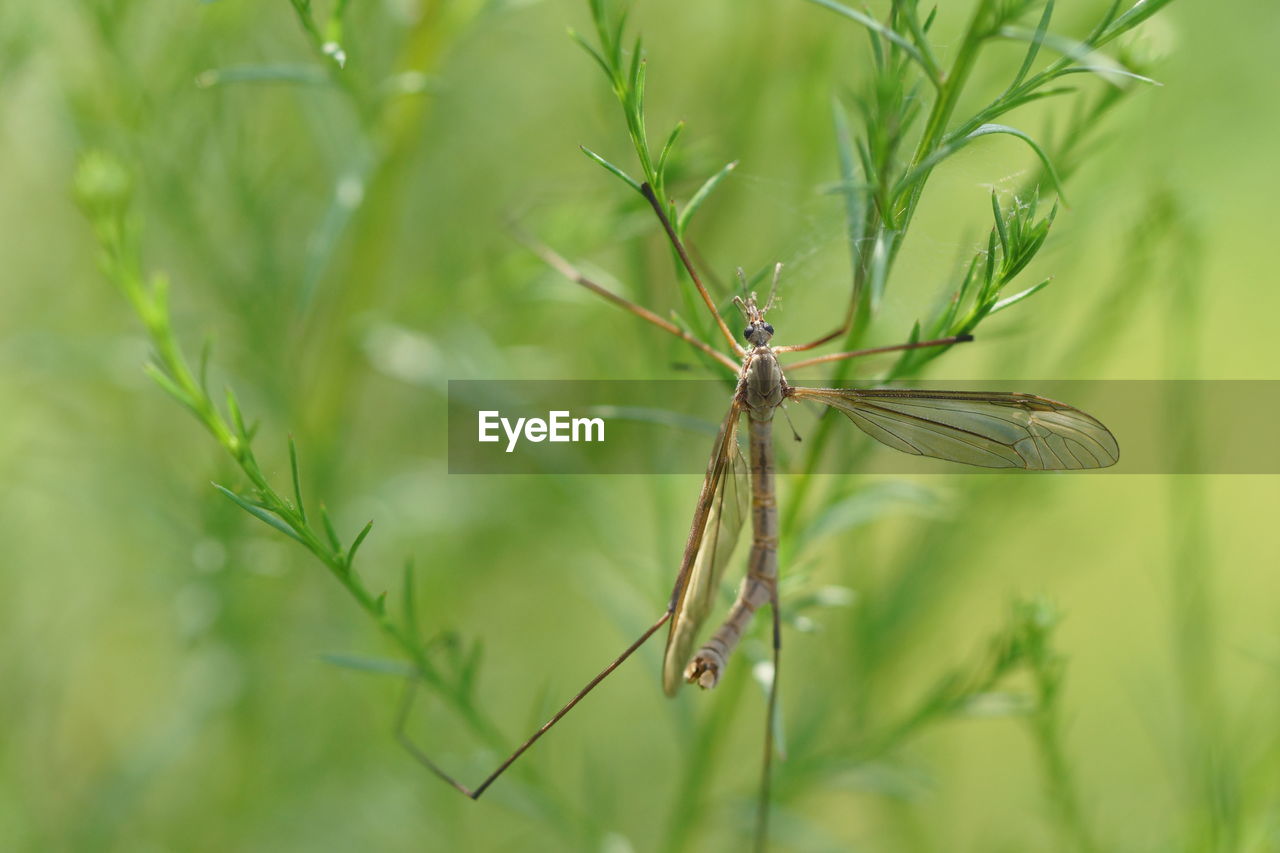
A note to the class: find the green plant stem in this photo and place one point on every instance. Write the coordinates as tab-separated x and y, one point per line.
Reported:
117	235
944	105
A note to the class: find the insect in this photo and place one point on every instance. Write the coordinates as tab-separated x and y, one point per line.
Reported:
993	430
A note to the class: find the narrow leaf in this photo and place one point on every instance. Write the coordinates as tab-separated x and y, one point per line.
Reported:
666	149
237	419
988	129
595	54
1086	55
334	542
170	387
1137	13
1034	48
260	513
637	77
612	168
880	266
1000	226
879	28
1104	70
297	482
682	221
1018	297
355	546
989	270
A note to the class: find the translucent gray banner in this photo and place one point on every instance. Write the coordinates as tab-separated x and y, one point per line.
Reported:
668	427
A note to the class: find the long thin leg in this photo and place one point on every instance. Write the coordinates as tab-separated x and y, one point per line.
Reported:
569	271
830	336
817	342
837	356
648	193
770	723
474	793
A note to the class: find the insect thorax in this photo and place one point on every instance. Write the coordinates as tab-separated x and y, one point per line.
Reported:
763	386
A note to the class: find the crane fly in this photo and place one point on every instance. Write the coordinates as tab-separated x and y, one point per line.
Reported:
990	430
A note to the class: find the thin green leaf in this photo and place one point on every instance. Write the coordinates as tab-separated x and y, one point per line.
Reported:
1105	21
906	10
666	150
872	24
920	172
170	387
988	129
597	18
237	419
682	221
595	54
260	514
1137	13
1104	70
334	542
877	49
637	77
359	540
615	44
966	284
989	268
880	266
297	481
632	182
1034	48
1004	106
1018	297
1000	225
1087	55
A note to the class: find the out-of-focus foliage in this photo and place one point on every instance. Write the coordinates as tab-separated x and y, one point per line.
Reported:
338	231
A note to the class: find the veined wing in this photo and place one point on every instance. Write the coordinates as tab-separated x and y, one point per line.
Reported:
715	532
992	430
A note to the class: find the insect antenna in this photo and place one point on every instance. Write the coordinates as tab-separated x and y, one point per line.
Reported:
773	288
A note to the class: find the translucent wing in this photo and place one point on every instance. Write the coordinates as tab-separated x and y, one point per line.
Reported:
723	522
975	427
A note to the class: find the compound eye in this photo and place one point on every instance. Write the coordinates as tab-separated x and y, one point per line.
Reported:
768	329
748	332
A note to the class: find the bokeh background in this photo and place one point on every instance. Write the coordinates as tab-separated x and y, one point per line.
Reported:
164	679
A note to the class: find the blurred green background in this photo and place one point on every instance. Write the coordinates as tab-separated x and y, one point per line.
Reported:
346	249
